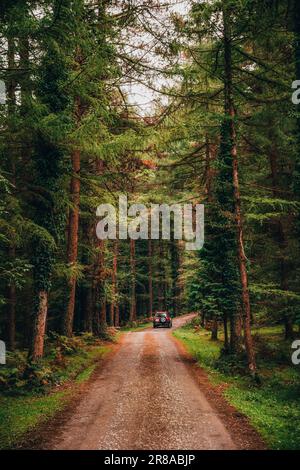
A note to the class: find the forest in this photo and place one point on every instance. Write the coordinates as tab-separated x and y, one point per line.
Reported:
165	102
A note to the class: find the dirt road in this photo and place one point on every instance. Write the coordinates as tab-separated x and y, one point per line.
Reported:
144	398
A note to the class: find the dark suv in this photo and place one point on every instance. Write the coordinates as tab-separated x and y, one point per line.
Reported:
162	319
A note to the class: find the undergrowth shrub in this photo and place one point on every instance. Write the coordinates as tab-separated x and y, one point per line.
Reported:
232	364
272	350
18	377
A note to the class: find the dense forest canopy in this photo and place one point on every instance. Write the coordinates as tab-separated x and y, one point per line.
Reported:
216	125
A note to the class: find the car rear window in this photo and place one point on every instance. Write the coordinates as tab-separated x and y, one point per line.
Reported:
160	314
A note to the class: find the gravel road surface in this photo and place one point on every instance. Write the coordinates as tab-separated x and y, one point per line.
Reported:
145	397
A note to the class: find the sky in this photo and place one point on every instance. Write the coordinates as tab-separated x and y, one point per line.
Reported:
139	94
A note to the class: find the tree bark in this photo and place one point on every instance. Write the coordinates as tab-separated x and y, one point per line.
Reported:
174	271
99	272
132	314
235	332
115	281
214	330
230	114
87	291
72	250
37	345
12	299
88	309
208	175
100	281
150	278
112	314
11	104
103	323
113	305
296	172
226	338
281	239
24	77
117	315
161	277
73	225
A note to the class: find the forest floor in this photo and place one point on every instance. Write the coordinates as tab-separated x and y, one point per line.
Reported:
273	406
148	394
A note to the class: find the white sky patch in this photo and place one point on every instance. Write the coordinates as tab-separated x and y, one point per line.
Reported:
145	46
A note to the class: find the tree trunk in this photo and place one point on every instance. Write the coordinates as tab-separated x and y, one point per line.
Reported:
37	346
226	338
112	314
100	281
296	173
117	315
103	315
230	113
288	329
115	277
87	291
88	309
235	332
281	239
208	175
99	272
73	228
99	290
12	299
214	330
24	77
174	272
132	314
160	287
11	104
150	281
114	283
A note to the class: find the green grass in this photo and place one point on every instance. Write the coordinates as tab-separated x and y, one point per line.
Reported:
275	330
273	407
80	362
20	414
85	374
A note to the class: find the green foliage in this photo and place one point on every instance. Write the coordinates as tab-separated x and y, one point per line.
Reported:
22	410
65	64
65	358
217	277
17	377
67	346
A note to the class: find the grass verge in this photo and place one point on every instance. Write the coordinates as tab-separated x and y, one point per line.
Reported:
21	414
273	408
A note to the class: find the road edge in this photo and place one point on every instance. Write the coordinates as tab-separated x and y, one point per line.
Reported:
42	435
242	432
